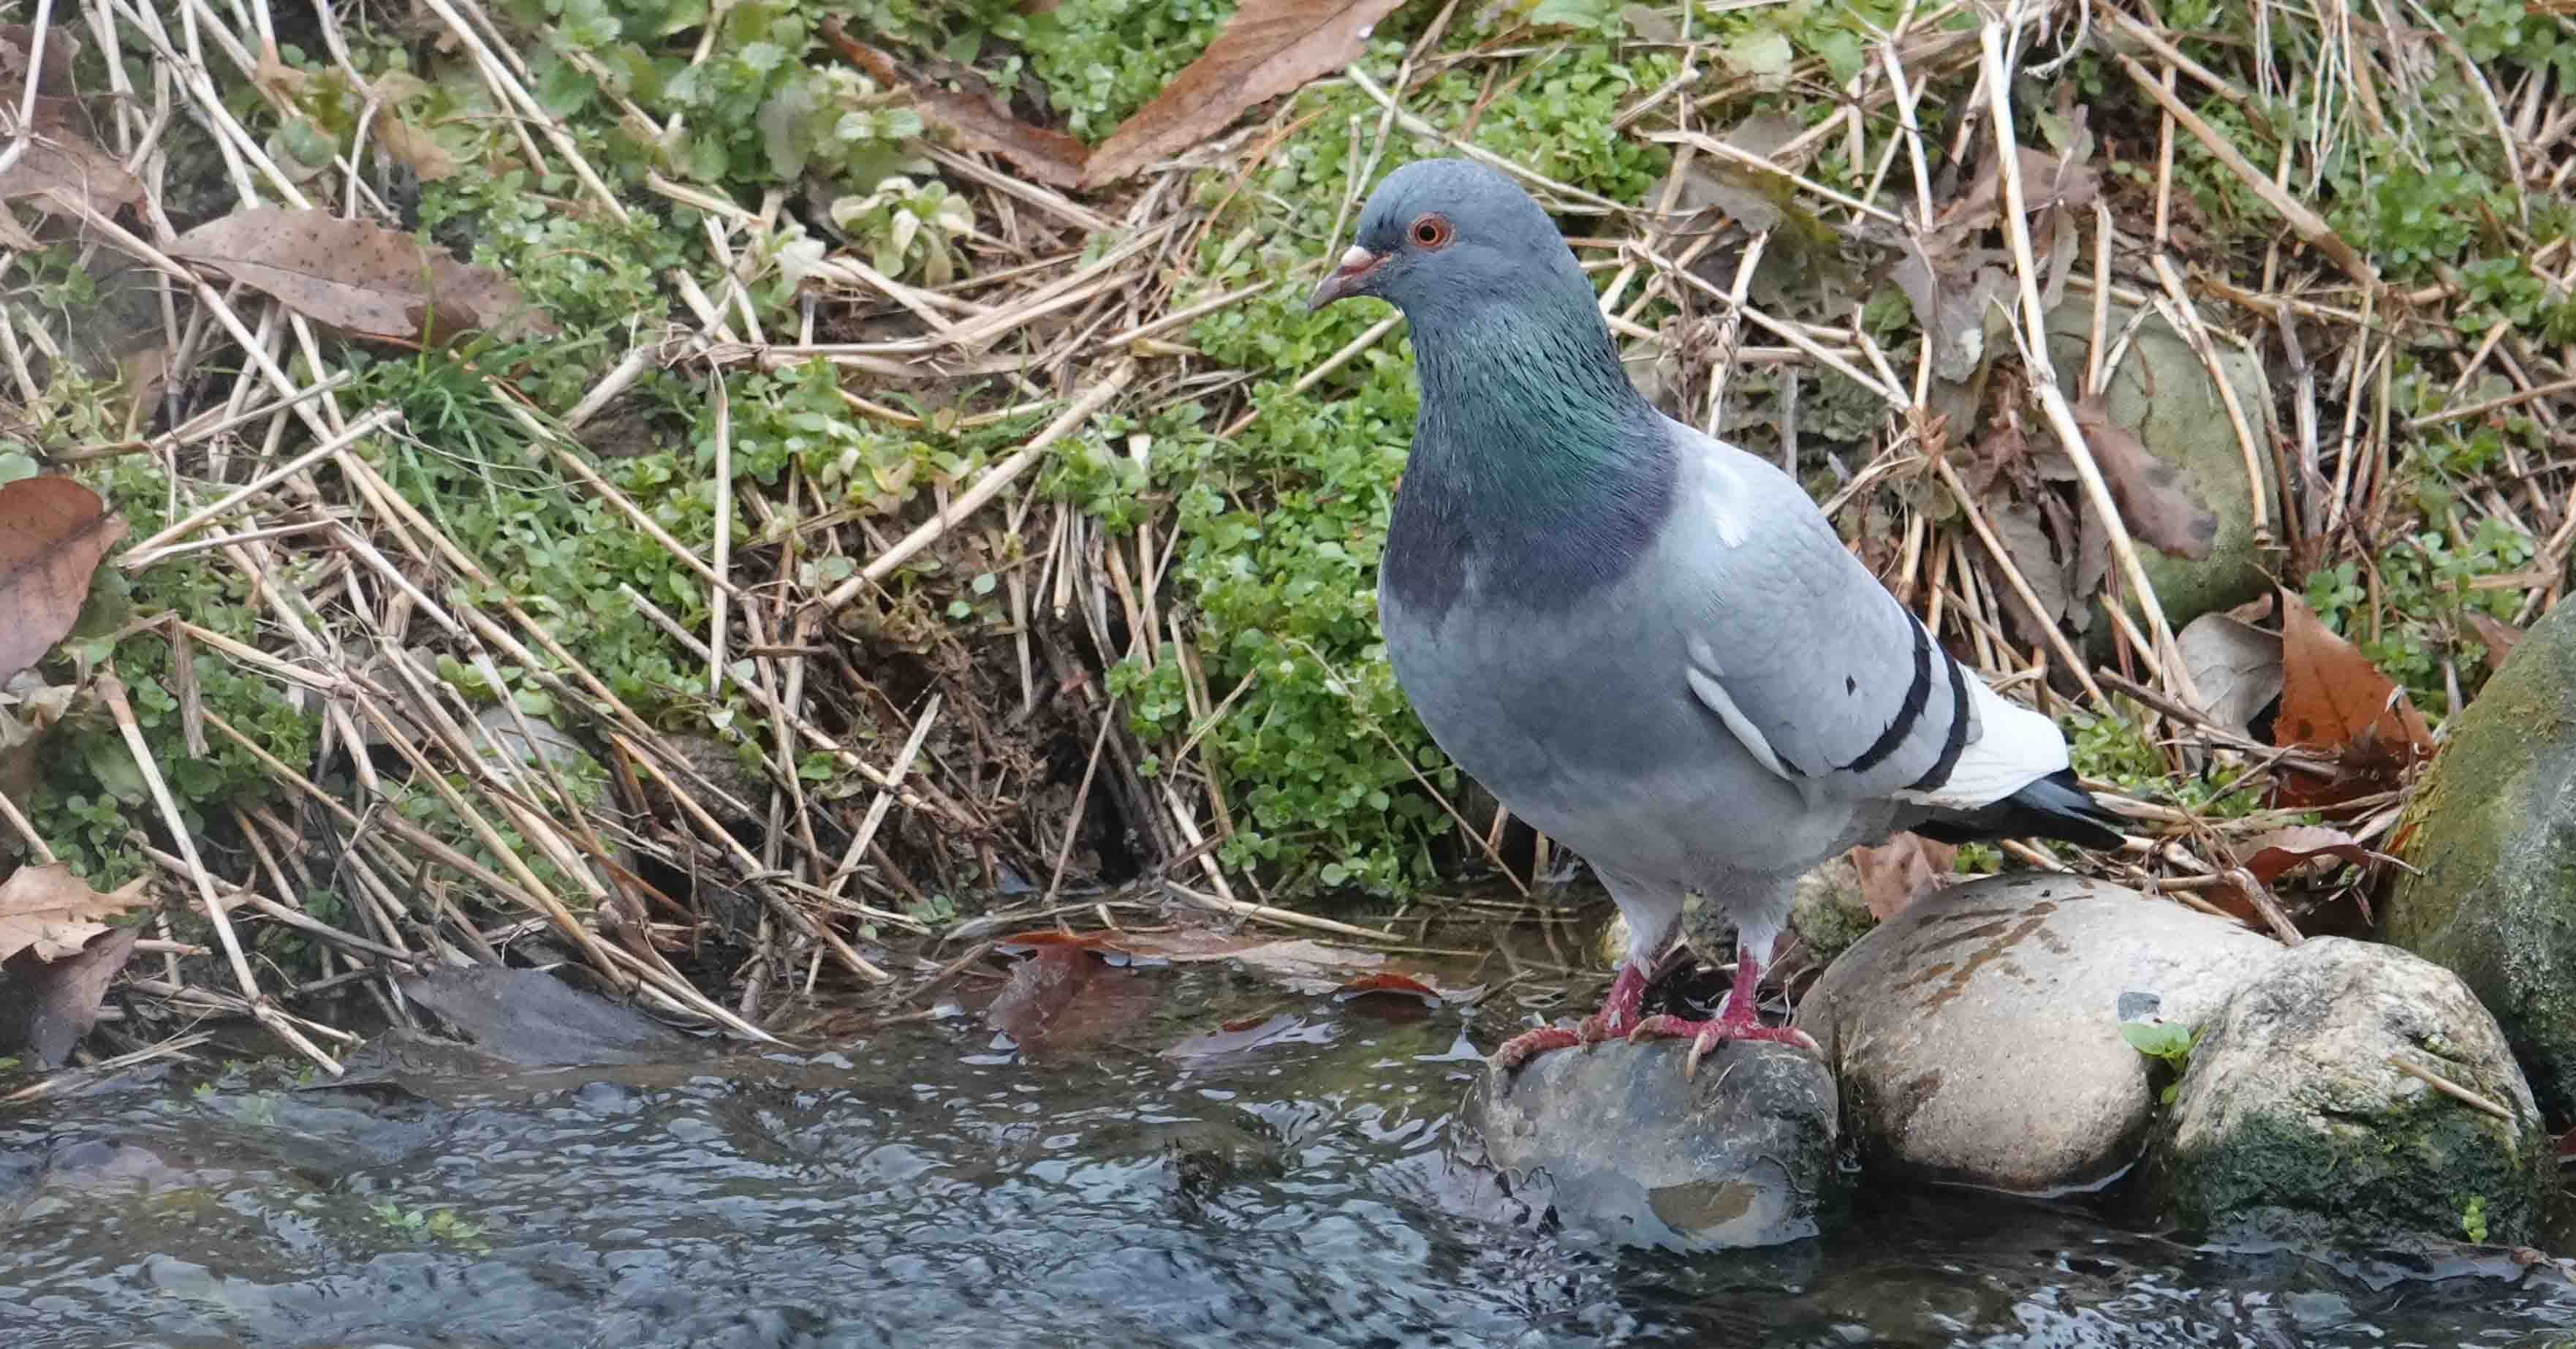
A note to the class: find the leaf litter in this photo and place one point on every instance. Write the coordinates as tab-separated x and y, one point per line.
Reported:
1267	48
360	278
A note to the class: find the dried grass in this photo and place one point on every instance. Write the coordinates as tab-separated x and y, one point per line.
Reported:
1074	337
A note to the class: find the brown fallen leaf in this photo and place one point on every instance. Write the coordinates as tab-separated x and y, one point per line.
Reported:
61	159
53	531
2160	502
47	1006
2045	183
2272	855
359	277
979	122
57	95
53	913
1900	871
2335	703
1268	48
1062	998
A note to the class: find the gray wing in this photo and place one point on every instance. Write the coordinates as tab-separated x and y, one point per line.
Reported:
1809	661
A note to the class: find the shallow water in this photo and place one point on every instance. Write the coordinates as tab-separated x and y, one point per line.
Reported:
927	1186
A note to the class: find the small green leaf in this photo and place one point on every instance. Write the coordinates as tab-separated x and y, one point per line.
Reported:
2157	1039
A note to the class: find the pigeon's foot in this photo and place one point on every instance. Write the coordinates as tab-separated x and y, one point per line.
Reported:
1706	1035
1617	1017
1737	1020
1522	1047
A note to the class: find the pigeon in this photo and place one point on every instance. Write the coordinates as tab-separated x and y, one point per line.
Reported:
1647	643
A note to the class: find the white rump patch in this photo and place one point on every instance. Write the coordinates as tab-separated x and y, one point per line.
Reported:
2014	747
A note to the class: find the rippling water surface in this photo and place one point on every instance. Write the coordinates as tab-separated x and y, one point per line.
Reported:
927	1186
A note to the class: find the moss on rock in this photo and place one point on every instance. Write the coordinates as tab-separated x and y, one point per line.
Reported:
2292	1122
2492	836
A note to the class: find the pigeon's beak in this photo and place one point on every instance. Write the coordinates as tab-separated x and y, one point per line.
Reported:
1351	278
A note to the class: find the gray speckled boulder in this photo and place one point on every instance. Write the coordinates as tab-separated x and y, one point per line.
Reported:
2492	834
1977	1034
1614	1137
2291	1123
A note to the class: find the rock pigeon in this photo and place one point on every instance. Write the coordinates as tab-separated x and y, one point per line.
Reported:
1646	642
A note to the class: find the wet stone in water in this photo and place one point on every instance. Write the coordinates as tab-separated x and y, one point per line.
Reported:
1616	1139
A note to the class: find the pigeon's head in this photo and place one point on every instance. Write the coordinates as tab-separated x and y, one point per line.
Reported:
1441	236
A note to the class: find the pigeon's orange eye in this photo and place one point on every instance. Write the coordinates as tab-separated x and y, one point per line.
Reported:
1431	231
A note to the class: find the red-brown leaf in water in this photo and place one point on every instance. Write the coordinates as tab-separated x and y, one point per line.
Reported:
1051	157
1061	998
53	531
1387	988
1300	963
2335	703
1268	48
359	277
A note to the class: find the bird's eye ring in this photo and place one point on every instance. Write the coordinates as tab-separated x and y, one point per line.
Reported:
1431	231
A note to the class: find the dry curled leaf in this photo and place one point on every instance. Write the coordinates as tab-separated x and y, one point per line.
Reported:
2268	857
53	913
53	531
57	97
1268	48
2336	704
976	120
59	159
359	277
2235	665
1900	871
2158	500
416	149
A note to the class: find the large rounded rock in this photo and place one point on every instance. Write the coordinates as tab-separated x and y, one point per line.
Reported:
2492	837
2162	390
1977	1034
2294	1122
1615	1138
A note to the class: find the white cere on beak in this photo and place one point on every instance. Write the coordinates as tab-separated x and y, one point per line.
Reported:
1356	257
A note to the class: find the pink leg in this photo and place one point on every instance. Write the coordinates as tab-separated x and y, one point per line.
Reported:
1738	1020
1617	1017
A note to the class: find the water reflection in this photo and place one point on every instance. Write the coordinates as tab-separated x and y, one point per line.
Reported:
926	1187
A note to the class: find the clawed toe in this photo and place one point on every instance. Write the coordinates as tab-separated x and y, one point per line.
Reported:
1527	1045
1707	1035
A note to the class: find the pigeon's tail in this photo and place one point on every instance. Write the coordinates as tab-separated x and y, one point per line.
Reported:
2055	806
